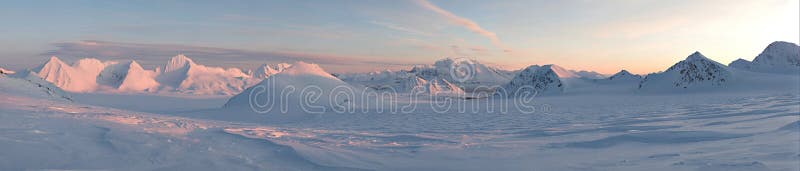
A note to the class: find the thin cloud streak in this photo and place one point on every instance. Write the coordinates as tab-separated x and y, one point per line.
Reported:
466	23
399	28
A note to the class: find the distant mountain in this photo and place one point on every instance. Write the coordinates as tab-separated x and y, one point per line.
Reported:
777	57
290	85
589	74
466	73
741	64
463	73
180	75
80	77
128	76
538	80
695	71
440	87
268	70
624	75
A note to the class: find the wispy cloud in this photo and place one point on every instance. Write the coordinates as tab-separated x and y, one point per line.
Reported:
399	28
464	22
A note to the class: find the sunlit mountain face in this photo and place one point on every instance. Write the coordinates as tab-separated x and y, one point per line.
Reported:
400	85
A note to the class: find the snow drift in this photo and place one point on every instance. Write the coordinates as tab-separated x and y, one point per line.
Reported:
465	73
31	85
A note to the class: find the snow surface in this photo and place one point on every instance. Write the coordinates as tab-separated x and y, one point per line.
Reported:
756	129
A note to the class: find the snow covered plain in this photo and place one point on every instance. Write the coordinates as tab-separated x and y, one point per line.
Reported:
718	130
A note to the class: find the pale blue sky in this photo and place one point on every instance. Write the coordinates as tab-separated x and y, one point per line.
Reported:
642	36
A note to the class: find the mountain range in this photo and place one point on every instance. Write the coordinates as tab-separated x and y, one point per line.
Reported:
182	75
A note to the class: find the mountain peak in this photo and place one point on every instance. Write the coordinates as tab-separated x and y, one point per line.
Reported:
624	75
135	65
178	62
52	62
623	72
696	56
53	59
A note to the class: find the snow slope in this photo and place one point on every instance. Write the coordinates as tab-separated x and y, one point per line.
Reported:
294	86
128	77
696	71
28	84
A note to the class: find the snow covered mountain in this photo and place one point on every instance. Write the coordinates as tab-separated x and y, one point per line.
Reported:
128	76
182	74
537	80
589	74
403	82
80	77
268	70
695	71
777	57
624	75
442	86
465	73
293	86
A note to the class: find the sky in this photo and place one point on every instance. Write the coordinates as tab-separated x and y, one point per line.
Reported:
606	36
